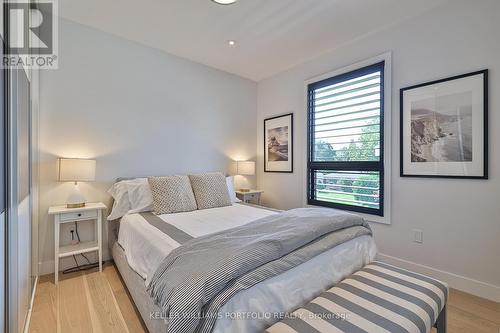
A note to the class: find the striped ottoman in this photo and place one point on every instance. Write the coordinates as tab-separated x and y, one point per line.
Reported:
378	298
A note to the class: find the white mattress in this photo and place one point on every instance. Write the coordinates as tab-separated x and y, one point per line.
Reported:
145	248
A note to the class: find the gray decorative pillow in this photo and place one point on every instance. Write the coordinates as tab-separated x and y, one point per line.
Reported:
210	190
172	194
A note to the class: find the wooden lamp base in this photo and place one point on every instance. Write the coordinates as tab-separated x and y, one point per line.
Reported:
75	205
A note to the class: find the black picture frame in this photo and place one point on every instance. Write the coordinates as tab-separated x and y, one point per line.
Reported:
290	149
484	175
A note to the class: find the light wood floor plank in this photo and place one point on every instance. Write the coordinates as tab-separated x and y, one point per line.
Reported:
483	308
43	316
460	321
129	311
94	302
104	309
72	306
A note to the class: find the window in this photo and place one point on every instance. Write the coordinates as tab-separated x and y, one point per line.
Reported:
346	141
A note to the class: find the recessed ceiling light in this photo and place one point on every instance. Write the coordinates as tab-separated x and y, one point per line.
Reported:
231	42
224	2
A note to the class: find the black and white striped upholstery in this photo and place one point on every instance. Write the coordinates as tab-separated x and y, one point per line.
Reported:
378	298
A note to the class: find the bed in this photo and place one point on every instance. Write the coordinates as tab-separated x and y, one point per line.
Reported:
139	243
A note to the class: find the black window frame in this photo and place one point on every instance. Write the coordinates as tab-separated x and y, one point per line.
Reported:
377	166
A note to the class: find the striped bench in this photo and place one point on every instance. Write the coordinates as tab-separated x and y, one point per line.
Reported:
378	298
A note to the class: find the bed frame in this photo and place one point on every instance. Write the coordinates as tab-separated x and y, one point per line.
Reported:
151	314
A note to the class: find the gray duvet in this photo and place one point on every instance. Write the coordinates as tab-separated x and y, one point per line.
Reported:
198	277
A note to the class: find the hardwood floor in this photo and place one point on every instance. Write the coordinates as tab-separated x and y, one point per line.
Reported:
85	302
99	302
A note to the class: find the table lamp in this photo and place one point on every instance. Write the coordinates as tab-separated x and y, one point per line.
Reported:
245	168
76	170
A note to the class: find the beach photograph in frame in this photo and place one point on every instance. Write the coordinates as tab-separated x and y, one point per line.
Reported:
444	128
278	144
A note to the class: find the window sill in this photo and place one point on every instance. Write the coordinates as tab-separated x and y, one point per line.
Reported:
368	217
375	219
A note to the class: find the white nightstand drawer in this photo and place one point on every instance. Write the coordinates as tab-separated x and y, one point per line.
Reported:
90	214
252	196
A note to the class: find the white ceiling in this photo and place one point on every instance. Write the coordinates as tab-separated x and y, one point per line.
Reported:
271	35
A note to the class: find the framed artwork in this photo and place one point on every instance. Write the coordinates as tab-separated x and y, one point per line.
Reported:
444	128
278	144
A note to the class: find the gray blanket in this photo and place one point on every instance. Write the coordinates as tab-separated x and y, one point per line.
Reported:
192	275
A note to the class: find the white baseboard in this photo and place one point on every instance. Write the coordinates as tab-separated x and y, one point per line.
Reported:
46	267
468	285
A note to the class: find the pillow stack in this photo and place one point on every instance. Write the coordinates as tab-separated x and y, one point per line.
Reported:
172	194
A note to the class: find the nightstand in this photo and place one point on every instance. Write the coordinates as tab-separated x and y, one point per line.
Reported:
91	211
252	195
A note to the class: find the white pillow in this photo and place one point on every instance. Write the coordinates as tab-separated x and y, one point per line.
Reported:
139	195
230	189
134	196
121	205
130	196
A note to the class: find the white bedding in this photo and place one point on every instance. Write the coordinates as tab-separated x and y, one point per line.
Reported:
145	248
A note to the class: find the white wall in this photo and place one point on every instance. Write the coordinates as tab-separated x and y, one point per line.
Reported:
138	111
460	218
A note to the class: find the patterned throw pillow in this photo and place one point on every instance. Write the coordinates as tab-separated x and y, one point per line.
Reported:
210	190
172	194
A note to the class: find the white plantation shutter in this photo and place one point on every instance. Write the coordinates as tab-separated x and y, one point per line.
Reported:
345	167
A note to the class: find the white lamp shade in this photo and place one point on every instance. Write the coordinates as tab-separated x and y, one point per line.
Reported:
245	168
76	170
